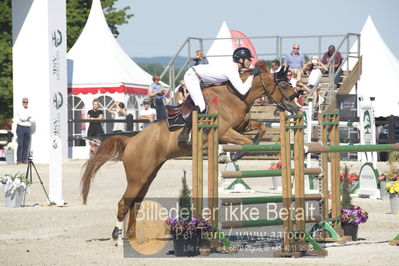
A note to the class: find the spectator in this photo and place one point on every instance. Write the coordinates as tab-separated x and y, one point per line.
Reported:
156	90
182	92
275	66
290	78
296	61
147	113
314	68
95	128
118	113
336	61
24	132
200	58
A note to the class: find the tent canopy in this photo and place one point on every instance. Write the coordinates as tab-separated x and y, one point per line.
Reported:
222	50
97	64
380	72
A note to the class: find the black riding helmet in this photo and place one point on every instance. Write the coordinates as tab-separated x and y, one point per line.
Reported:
241	52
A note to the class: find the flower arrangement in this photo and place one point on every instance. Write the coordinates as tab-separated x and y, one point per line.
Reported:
275	166
393	188
352	177
12	183
182	228
185	226
354	215
350	214
389	177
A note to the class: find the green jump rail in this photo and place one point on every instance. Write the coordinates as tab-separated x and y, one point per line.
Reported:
265	173
314	148
266	199
263	222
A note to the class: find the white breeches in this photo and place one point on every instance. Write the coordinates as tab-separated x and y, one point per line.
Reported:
193	86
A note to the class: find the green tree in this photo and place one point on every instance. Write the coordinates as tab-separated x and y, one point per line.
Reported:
5	60
77	13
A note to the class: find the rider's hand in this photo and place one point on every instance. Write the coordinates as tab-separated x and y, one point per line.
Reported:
255	71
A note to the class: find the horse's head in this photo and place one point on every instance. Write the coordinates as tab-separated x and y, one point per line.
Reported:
277	87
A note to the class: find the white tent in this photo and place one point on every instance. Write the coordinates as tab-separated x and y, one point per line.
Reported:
380	72
97	64
221	47
221	50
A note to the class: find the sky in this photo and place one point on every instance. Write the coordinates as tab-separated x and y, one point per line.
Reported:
159	28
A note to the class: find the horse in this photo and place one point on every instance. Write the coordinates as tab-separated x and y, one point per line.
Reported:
162	144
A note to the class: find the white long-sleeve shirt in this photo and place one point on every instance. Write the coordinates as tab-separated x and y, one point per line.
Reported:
218	73
22	115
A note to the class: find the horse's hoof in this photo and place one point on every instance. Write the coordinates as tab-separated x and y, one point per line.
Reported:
237	155
116	233
223	158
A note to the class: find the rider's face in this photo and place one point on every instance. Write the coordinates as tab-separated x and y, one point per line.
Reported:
247	62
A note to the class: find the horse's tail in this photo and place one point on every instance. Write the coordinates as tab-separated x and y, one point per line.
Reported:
110	149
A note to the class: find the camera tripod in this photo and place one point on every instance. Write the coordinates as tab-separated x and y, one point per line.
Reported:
29	177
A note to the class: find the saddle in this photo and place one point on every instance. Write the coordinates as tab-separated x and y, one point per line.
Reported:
177	114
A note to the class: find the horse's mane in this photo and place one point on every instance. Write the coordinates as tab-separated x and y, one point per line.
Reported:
262	65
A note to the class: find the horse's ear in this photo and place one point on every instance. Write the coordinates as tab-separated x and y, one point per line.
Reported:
287	67
282	70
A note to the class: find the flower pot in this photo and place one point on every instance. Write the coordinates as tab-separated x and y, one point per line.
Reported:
186	246
14	200
384	193
350	230
9	155
394	202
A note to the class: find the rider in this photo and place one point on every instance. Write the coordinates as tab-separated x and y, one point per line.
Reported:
216	74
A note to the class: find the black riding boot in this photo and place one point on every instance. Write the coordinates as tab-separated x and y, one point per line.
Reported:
184	136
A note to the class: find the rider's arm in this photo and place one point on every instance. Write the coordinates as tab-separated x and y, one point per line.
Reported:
237	83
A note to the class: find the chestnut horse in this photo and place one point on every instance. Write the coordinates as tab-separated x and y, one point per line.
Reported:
161	144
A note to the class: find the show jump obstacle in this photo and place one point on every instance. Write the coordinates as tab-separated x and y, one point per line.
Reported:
295	242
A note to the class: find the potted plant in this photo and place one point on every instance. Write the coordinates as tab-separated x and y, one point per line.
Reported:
393	190
14	189
276	179
185	229
9	153
351	215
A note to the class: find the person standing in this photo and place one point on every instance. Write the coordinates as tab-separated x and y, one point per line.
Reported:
147	113
156	90
24	132
296	61
95	127
119	113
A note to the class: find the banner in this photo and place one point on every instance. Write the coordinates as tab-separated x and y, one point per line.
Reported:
58	96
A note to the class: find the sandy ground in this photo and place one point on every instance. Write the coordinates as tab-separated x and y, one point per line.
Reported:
80	235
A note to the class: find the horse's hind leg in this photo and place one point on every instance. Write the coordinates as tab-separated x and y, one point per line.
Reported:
134	194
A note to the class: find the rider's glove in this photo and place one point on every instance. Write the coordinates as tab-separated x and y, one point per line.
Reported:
255	71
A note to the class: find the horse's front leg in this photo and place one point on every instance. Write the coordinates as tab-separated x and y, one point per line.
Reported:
234	137
260	127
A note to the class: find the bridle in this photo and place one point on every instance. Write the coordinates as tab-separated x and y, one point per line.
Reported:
277	84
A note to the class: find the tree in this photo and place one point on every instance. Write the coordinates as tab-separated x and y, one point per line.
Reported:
77	13
5	60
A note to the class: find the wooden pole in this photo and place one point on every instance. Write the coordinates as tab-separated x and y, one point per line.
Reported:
286	178
299	173
197	183
324	164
